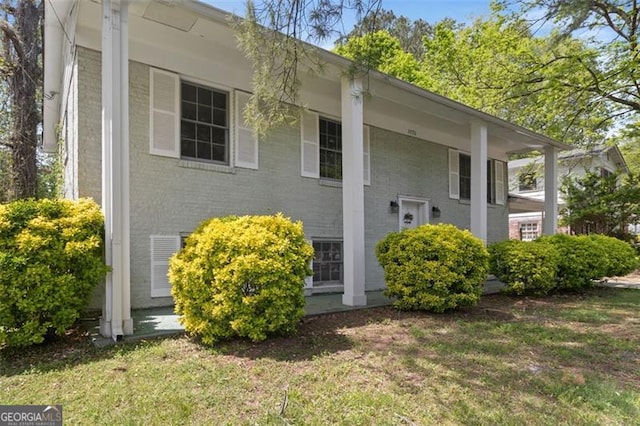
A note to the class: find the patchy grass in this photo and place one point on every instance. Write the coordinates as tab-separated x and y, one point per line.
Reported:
557	360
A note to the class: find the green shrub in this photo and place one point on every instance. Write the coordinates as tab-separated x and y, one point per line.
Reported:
620	257
50	261
241	276
433	267
525	267
580	260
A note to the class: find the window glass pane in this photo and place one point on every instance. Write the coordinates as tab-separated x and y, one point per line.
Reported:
204	150
204	133
188	130
219	117
204	114
219	153
188	92
220	100
204	96
219	135
189	110
188	148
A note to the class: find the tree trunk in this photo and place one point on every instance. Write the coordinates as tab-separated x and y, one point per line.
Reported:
22	51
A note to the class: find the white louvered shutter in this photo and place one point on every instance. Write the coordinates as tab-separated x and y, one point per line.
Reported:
454	174
162	248
366	154
164	114
499	165
246	141
310	145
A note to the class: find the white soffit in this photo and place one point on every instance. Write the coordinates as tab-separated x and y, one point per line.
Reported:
166	13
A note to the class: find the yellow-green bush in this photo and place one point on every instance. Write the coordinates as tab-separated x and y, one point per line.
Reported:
433	267
620	257
50	261
524	267
580	260
241	276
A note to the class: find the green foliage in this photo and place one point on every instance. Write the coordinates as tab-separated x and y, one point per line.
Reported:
50	261
380	50
241	276
525	267
433	267
610	29
581	260
605	205
619	256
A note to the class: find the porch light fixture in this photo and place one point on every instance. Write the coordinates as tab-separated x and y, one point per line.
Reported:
435	212
394	207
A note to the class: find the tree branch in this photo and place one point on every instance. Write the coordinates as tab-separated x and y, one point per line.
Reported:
11	34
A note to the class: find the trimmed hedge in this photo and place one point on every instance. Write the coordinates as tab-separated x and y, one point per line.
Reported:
433	267
241	276
620	256
580	262
50	262
525	267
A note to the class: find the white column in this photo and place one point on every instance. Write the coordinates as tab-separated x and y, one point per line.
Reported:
479	180
353	193
550	221
116	321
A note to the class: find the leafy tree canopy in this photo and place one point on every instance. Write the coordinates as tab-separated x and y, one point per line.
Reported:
611	29
601	204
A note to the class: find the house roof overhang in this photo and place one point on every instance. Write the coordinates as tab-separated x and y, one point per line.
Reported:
504	136
520	204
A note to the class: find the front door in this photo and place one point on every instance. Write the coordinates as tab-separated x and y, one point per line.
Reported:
413	212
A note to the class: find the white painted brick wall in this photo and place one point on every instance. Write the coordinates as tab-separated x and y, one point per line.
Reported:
167	199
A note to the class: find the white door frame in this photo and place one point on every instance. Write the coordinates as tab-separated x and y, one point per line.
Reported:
424	209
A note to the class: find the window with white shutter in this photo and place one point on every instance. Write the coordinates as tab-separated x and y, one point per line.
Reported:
164	114
162	248
246	141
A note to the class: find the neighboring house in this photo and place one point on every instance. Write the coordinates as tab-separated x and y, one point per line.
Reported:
148	99
527	189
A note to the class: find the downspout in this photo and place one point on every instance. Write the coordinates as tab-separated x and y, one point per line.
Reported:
107	113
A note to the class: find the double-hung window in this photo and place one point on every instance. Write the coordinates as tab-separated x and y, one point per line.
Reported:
327	262
460	178
192	121
321	149
204	124
330	149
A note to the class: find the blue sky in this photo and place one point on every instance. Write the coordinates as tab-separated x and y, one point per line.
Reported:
428	10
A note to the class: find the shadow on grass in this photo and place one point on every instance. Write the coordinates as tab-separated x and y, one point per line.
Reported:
71	350
317	335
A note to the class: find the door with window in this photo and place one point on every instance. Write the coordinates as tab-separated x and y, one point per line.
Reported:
413	212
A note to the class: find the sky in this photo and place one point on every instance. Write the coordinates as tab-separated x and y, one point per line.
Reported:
428	10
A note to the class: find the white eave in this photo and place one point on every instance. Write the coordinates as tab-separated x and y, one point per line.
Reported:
513	138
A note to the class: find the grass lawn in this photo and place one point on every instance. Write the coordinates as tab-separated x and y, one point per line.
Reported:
558	360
